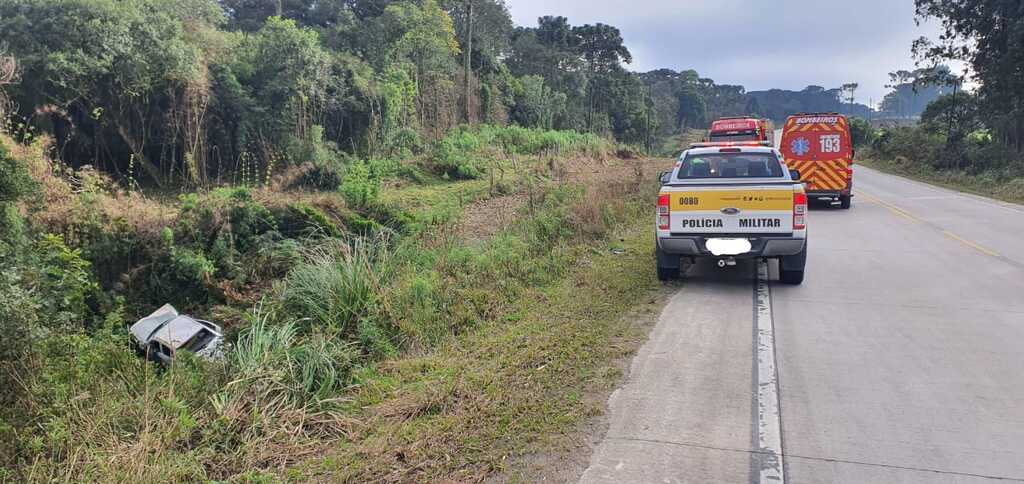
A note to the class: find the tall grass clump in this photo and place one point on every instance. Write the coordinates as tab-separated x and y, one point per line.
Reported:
275	361
337	289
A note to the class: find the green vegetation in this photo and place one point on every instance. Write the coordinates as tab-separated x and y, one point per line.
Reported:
966	140
952	146
1008	186
331	299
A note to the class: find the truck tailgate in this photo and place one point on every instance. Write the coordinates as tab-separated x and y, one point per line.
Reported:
750	209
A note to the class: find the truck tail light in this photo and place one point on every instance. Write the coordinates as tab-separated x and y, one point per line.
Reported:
799	211
663	212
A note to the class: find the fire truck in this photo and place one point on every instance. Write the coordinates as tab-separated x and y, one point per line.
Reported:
818	145
741	128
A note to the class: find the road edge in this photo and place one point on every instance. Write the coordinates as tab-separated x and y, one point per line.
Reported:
770	463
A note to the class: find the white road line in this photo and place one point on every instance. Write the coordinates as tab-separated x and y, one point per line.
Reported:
769	422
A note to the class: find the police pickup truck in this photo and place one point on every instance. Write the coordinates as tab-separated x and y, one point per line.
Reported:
730	201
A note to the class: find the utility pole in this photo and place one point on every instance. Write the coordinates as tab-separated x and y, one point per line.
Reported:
280	8
650	105
468	59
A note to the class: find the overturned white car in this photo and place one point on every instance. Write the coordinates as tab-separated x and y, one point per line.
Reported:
164	333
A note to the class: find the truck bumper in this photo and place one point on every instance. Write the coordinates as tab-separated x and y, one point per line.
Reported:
833	195
761	246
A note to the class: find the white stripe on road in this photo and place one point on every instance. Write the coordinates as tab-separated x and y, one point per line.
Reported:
769	423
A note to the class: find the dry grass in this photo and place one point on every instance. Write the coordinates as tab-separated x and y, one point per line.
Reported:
66	199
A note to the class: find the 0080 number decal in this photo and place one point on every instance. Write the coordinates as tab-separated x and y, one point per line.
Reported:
831	143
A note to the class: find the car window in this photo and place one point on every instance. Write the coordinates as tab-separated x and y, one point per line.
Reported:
199	342
730	165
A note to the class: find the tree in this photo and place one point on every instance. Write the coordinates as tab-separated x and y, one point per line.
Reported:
536	105
913	90
484	28
102	65
9	74
986	34
955	116
288	76
849	90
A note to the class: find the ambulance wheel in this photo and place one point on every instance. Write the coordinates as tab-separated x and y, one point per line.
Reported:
668	273
845	201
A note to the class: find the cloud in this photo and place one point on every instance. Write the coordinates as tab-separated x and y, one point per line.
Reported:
786	44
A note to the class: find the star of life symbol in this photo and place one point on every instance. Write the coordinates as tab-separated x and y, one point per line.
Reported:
800	146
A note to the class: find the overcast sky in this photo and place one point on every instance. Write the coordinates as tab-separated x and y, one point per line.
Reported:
759	44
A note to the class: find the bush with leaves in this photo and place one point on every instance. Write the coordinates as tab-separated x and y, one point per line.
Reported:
360	188
66	280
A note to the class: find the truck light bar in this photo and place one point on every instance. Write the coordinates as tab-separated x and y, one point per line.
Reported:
724	144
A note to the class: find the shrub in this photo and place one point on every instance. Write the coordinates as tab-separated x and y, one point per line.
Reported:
317	175
15	181
360	189
182	275
459	154
65	282
360	225
273	258
20	325
225	209
304	220
861	132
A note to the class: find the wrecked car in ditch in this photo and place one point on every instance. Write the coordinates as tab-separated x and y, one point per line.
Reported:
164	333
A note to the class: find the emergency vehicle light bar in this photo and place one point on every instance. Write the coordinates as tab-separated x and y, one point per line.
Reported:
720	144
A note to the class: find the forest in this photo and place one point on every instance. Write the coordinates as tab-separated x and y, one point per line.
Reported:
197	92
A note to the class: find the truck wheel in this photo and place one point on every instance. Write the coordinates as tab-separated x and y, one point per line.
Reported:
791	267
845	201
668	265
668	273
792	277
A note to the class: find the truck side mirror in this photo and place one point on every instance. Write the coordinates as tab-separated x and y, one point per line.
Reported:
794	174
665	176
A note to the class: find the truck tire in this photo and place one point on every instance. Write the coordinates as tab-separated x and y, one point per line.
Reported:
845	201
668	273
668	265
791	267
792	277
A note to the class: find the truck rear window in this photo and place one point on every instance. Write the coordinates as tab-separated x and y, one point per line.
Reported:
730	165
744	136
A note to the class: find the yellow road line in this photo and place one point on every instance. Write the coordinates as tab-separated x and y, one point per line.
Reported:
892	208
970	244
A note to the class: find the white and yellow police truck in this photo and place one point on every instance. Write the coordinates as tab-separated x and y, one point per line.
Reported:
729	201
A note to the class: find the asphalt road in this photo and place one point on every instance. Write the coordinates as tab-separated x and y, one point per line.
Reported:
900	358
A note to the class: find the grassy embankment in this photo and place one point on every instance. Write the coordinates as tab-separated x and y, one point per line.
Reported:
370	341
976	163
987	184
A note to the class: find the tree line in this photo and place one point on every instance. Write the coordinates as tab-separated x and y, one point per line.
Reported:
986	35
197	92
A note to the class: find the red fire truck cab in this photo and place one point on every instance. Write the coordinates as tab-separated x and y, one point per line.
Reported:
741	128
